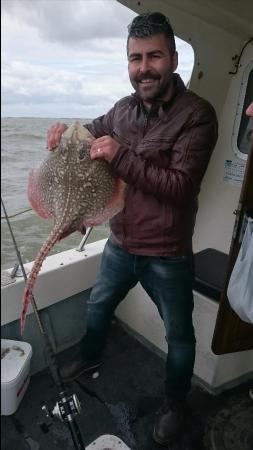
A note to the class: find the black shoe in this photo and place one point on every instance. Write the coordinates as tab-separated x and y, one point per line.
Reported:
73	369
169	424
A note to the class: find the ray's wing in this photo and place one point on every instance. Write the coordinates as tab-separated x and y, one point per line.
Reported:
36	195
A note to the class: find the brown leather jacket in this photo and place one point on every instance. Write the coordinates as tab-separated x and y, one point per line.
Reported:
163	158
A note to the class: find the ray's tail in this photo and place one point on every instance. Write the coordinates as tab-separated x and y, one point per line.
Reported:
53	237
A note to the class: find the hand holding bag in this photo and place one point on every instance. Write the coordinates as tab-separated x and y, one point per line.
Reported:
240	287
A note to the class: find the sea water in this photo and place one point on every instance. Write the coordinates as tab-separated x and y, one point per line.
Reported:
23	143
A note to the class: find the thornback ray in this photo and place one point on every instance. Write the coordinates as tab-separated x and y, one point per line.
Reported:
75	191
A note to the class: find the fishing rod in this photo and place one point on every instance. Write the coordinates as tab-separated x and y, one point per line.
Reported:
67	406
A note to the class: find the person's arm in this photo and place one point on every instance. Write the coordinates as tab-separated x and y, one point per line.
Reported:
98	127
188	162
101	126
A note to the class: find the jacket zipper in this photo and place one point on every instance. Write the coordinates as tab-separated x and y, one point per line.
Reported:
145	125
145	122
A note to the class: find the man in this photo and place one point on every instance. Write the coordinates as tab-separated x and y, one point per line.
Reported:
249	113
159	141
249	110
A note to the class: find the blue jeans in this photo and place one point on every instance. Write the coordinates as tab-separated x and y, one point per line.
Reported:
168	282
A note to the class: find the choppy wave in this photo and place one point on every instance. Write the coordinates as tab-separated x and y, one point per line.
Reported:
24	136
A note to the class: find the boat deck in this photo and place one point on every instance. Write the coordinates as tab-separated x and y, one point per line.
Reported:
123	401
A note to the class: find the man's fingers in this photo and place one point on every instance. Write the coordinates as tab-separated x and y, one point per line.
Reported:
54	135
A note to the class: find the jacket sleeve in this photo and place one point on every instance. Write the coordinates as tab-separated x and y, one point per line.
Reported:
189	157
103	125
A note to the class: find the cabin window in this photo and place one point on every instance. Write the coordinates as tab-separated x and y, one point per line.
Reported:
243	124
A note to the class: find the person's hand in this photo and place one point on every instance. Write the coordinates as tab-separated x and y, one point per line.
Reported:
104	147
249	110
54	135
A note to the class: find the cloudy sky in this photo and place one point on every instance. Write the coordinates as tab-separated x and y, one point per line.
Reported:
63	58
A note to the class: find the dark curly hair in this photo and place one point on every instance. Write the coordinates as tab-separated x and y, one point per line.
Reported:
149	24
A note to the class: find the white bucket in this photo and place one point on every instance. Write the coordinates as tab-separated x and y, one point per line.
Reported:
15	373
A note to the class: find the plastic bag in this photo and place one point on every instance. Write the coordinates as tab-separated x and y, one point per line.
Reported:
240	287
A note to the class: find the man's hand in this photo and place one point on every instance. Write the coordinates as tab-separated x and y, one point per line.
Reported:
104	147
54	135
249	110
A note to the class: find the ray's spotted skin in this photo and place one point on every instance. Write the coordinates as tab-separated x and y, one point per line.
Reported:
72	189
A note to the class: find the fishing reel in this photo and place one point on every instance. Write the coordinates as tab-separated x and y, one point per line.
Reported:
65	409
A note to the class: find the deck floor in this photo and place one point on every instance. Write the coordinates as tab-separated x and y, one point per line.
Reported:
123	401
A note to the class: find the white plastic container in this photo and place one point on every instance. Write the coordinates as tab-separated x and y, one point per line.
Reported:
15	373
108	442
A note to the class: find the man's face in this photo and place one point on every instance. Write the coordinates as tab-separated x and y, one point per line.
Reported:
249	113
249	110
150	67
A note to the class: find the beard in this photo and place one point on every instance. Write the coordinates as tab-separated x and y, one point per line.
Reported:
152	86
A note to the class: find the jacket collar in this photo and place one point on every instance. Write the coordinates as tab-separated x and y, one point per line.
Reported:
160	107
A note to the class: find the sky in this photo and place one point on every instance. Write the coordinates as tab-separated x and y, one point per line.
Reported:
67	58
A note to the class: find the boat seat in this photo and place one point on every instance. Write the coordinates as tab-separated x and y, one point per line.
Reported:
210	272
